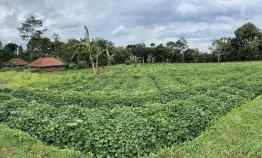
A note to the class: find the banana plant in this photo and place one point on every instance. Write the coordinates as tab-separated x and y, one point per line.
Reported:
93	51
110	57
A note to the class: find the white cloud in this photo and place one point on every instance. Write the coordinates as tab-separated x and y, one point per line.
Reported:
188	8
123	22
121	30
5	12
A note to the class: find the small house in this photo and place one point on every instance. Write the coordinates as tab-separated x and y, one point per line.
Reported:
47	64
16	62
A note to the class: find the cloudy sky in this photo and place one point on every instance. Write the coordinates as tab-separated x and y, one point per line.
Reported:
133	21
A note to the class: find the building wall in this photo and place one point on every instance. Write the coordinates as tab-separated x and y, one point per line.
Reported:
49	69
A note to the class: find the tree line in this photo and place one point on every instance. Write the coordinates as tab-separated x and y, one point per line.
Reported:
246	45
91	51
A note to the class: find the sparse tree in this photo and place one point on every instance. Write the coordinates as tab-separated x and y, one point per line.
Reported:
39	47
182	46
56	37
31	28
94	50
219	48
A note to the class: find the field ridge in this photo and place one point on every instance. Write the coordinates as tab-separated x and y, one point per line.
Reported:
17	144
236	135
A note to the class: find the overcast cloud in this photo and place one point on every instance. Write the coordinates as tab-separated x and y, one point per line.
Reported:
125	21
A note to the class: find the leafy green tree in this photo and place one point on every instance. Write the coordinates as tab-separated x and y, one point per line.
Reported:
182	46
139	52
31	29
246	45
247	32
219	48
58	46
40	47
121	55
161	53
246	37
192	55
174	53
11	50
107	57
76	51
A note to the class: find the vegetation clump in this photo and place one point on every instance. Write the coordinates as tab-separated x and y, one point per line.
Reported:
16	144
238	134
126	111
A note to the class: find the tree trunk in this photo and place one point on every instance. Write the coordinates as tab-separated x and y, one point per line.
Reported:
109	58
78	59
135	59
218	58
92	63
97	64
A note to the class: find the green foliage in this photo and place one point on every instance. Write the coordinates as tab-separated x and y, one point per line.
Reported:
40	47
246	45
78	53
238	134
248	31
16	144
126	111
31	27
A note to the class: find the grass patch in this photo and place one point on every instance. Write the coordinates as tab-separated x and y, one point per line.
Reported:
237	135
16	144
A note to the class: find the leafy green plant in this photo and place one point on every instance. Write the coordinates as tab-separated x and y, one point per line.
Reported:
126	111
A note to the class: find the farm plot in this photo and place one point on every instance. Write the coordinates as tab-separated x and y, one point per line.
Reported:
126	111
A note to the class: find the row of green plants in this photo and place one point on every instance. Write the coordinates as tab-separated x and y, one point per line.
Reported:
131	88
18	144
128	114
120	131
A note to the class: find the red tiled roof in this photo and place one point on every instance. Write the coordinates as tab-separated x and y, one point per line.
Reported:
18	62
46	62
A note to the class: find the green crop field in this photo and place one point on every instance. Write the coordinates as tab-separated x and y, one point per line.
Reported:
16	144
126	111
237	135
